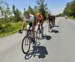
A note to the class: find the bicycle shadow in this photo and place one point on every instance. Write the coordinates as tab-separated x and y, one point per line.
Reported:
55	31
39	51
47	37
56	25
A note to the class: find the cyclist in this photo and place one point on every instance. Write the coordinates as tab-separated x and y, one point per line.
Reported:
40	19
51	20
66	17
30	19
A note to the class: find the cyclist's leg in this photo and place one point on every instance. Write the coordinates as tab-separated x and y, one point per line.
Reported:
30	25
49	23
28	28
23	26
54	21
42	27
39	26
33	29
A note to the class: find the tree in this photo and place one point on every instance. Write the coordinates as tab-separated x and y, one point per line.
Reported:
24	12
73	8
70	9
30	9
42	7
13	9
1	9
5	10
67	10
35	9
16	13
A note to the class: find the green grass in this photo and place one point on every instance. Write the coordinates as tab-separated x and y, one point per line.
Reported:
71	17
10	28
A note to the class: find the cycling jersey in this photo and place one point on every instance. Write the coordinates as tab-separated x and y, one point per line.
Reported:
39	17
31	18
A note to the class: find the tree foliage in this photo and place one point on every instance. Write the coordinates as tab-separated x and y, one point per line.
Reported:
16	13
42	7
70	9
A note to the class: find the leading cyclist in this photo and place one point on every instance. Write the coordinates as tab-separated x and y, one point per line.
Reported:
30	19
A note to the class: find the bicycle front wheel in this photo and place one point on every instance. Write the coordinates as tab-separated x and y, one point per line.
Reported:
26	42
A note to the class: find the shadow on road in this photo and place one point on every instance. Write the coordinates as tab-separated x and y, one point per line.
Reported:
39	51
55	31
47	37
56	26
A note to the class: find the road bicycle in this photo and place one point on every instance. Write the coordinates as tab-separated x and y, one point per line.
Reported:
28	41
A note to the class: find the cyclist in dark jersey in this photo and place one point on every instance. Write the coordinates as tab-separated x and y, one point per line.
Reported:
51	20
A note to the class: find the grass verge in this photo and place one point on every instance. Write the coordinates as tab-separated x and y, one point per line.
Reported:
71	17
10	28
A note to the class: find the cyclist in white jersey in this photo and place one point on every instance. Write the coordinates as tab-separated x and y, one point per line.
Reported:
31	24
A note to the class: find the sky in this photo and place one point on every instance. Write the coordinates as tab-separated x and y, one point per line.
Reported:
54	6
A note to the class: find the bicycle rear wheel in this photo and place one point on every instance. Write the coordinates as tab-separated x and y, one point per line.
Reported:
26	42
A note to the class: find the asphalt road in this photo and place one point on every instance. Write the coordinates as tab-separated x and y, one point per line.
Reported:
59	48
